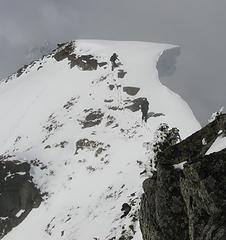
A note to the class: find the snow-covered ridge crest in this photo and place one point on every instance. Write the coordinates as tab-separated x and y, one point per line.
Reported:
79	122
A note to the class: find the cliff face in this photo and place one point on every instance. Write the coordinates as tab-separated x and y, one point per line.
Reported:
187	202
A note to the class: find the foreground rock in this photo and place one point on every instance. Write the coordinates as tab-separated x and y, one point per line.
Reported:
187	202
18	194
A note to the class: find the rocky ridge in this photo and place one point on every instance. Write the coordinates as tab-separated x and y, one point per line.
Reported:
187	202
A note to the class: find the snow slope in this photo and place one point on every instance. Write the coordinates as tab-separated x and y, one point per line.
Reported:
51	107
218	145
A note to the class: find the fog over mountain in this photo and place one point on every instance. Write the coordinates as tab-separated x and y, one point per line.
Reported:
197	26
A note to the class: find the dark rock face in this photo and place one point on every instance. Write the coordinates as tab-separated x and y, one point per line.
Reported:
86	144
126	209
162	212
92	119
111	86
18	194
21	70
64	51
135	104
84	62
204	191
131	90
121	73
188	203
170	210
102	64
193	146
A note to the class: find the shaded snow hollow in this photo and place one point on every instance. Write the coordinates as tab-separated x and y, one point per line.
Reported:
86	147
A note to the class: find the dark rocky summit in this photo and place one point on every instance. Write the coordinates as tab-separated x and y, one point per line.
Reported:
187	203
83	62
18	194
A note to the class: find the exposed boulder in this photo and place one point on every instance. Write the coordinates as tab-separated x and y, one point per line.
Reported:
111	86
121	73
102	64
125	209
131	90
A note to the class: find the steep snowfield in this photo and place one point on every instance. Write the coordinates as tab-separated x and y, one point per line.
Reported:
51	107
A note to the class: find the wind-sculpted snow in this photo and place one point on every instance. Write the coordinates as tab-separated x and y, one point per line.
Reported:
166	64
78	124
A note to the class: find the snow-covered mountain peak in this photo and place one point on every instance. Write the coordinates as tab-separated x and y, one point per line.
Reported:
78	123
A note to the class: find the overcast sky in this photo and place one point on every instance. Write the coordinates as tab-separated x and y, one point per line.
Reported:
198	26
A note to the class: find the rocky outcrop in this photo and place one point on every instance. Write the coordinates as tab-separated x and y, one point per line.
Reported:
18	194
163	213
194	145
203	188
132	91
187	203
21	70
83	62
121	73
93	118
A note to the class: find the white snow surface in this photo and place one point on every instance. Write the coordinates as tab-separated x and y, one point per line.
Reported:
180	165
86	190
19	213
218	145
